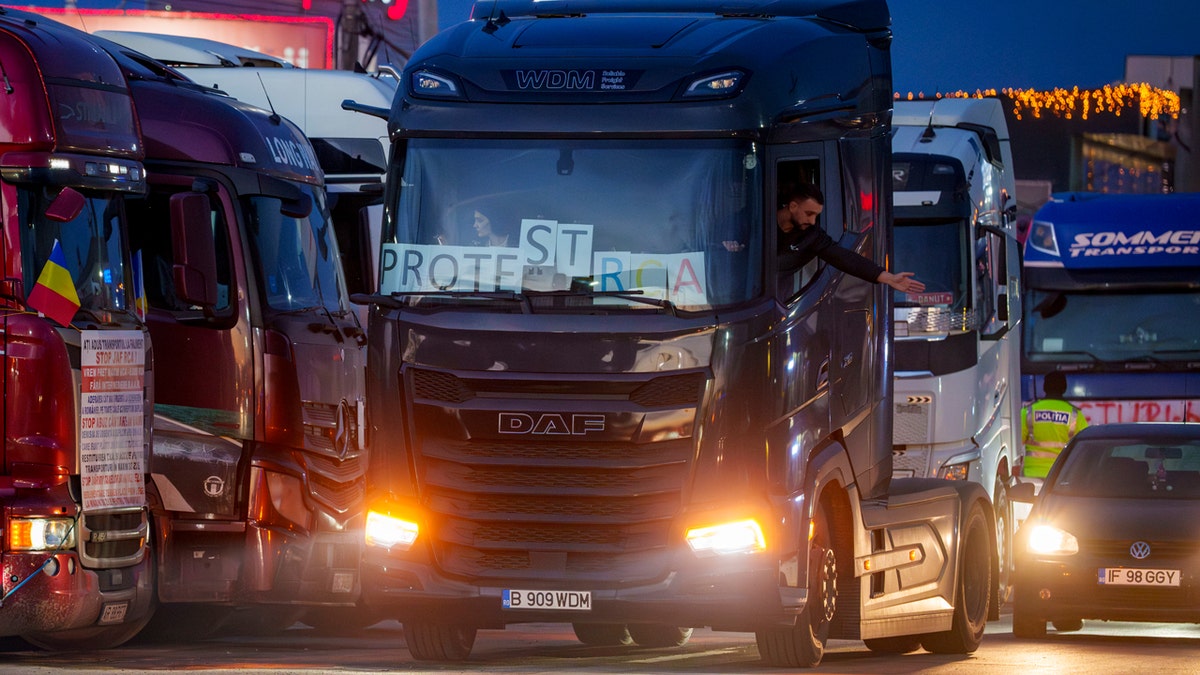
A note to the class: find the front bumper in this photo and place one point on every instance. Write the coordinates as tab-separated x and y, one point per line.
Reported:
1055	590
742	599
64	596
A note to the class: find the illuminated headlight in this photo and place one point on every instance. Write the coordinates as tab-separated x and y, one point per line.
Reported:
41	534
426	83
743	536
955	471
1048	540
390	532
715	86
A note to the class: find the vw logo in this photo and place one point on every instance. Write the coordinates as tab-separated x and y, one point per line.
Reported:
1140	550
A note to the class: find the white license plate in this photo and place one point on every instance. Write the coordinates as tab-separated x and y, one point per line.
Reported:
580	601
342	582
113	612
1136	576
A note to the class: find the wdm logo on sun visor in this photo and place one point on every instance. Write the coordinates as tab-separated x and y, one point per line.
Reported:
595	79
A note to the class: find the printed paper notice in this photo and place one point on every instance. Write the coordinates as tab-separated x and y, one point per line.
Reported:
111	427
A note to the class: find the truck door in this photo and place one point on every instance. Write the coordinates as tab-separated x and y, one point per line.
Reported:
203	357
802	353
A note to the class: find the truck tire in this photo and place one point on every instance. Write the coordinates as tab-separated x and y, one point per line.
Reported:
659	635
1005	533
973	591
803	645
603	634
439	642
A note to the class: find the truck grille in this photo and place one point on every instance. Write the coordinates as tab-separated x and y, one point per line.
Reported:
336	467
113	538
537	510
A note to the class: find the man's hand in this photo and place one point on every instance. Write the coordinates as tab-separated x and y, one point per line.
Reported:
902	282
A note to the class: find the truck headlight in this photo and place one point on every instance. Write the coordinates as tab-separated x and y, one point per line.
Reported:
742	536
41	534
1049	540
960	471
390	532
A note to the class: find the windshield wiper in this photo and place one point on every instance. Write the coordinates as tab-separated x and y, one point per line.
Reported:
394	300
632	296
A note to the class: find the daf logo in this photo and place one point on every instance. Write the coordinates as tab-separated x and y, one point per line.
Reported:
343	430
550	424
214	486
1140	550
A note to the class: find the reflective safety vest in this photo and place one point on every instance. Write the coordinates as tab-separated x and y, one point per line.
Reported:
1047	425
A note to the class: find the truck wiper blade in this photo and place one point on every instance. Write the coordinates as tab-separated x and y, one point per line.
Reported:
394	300
632	296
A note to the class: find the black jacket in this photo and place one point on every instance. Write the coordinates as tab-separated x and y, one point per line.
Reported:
801	245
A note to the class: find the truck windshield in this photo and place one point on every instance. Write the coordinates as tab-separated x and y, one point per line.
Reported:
297	258
92	245
1076	327
616	221
936	252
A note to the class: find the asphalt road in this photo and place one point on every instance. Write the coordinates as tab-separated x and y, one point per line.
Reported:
1099	649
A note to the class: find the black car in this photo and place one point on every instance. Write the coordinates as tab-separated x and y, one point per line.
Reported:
1114	533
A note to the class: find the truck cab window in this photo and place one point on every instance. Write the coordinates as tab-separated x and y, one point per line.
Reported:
149	234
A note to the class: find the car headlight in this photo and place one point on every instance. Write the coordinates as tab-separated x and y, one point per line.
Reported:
1049	540
390	532
743	536
41	534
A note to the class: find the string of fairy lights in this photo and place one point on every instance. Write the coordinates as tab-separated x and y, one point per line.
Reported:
1150	101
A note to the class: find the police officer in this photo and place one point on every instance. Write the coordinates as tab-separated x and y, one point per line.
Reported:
1047	425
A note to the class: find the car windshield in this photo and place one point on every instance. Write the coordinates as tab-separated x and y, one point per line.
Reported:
297	258
615	222
1131	468
92	245
1147	326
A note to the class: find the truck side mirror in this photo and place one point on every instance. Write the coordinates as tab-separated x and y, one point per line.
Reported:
195	268
299	207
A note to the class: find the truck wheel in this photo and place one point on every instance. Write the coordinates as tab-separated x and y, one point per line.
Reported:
659	635
1005	526
973	592
803	645
904	644
439	642
603	634
175	622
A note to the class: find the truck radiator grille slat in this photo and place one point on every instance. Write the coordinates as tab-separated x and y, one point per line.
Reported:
528	516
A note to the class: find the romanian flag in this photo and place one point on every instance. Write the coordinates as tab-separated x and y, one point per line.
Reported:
54	293
140	305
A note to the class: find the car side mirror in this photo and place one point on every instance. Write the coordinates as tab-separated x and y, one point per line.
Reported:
1023	492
